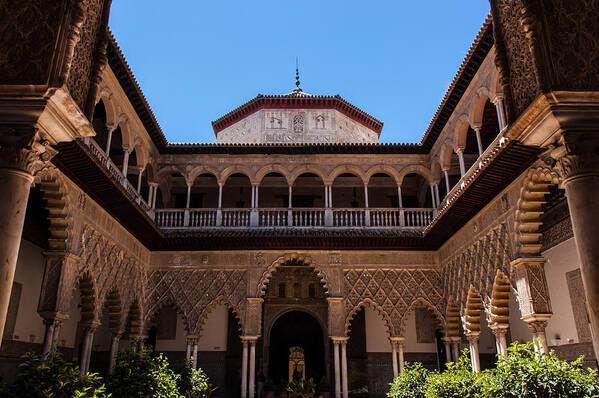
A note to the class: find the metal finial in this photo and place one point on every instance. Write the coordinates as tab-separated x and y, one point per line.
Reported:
297	79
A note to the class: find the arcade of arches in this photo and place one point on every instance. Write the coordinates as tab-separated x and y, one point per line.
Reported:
297	244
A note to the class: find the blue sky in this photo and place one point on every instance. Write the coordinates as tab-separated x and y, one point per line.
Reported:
197	60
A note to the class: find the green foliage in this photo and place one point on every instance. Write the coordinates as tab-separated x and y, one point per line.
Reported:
303	388
524	373
192	383
138	374
42	377
411	383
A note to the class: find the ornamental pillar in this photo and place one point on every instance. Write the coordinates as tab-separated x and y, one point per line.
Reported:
340	366
139	176
394	358
537	326
397	345
248	386
111	129
22	154
252	387
474	356
578	163
126	161
498	102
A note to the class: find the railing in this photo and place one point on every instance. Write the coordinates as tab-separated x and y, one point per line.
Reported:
406	218
116	173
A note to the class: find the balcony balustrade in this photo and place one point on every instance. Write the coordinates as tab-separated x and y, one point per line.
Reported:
196	219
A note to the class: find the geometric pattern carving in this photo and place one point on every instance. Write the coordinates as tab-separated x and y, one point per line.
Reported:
529	276
195	293
292	259
477	264
393	293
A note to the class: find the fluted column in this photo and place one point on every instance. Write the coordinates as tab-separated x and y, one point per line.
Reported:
473	338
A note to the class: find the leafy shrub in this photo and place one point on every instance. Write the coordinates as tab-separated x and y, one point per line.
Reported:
302	388
526	373
43	377
138	374
411	383
458	381
192	383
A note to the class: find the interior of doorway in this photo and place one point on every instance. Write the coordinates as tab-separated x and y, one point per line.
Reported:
296	329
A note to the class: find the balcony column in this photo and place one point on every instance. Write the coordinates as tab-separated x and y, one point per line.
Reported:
153	190
478	140
437	194
366	205
498	102
433	196
289	211
219	212
446	173
254	209
126	161
290	196
460	153
366	196
188	199
141	173
328	204
400	201
111	129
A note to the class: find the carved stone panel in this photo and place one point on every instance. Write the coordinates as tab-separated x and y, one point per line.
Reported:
579	305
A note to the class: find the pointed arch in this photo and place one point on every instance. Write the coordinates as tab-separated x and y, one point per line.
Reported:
290	258
219	300
529	210
372	304
419	303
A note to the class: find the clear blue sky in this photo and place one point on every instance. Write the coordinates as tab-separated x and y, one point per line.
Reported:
197	60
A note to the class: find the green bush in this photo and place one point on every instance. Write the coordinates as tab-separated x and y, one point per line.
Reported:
192	383
524	373
411	383
42	377
139	374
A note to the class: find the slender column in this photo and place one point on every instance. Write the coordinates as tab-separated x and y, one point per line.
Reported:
48	337
446	173
253	196
455	348
344	367
109	140
330	196
154	195
434	198
400	346
478	141
326	196
460	152
498	101
500	340
394	358
141	172
187	351
114	349
437	194
447	345
188	200
290	196
220	196
366	195
55	338
150	195
252	368
195	354
474	357
126	161
537	328
337	371
399	196
244	369
86	351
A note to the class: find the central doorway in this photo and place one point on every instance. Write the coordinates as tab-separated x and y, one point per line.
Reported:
296	329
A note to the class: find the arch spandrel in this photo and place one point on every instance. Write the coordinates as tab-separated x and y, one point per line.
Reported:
343	169
421	170
273	168
384	169
306	169
421	302
236	169
199	170
286	259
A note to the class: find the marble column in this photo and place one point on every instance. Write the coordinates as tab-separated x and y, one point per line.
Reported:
500	339
366	195
460	153
434	198
479	143
86	351
474	356
194	362
400	352
399	196
114	350
139	176
455	349
337	370
244	369
537	329
125	161
252	388
188	199
446	174
22	154
447	344
187	351
579	165
154	192
498	102
53	322
394	358
344	367
111	129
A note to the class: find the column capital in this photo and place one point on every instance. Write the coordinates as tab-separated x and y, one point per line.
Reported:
255	300
459	150
91	327
497	99
25	149
537	322
248	338
53	316
333	300
472	337
339	339
499	330
577	155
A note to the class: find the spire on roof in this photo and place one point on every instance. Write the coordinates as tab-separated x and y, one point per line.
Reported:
297	79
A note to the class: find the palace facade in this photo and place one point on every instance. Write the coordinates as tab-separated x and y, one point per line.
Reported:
299	244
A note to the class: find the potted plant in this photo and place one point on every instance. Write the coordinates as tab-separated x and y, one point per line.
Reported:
324	387
269	388
283	384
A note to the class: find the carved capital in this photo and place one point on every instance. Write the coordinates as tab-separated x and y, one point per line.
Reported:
473	337
536	324
578	156
24	149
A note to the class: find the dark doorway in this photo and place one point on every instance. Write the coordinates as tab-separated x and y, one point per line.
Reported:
232	387
296	329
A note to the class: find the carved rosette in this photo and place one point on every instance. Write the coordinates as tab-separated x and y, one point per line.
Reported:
24	149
